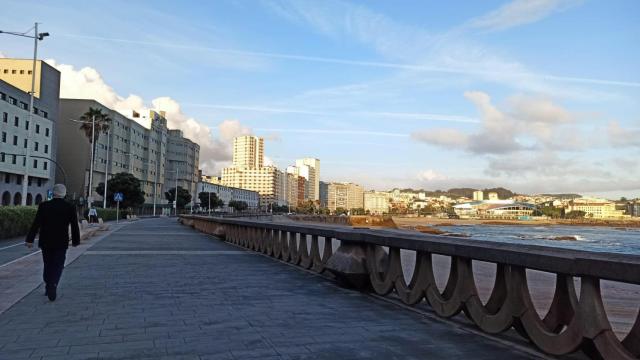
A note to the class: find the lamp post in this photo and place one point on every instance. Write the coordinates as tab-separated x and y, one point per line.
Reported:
93	146
36	37
106	172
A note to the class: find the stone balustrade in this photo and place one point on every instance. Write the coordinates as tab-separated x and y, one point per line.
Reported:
370	260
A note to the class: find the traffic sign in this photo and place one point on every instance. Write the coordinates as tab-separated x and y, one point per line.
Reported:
118	197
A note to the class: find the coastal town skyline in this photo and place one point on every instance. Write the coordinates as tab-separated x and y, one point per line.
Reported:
375	112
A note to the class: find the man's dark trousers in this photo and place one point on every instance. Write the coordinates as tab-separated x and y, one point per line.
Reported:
53	265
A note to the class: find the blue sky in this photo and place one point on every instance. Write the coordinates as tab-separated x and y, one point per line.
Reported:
536	96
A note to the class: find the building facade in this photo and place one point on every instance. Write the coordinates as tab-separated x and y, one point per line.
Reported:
309	168
18	133
248	172
595	208
151	154
226	194
376	203
345	195
182	164
248	152
478	195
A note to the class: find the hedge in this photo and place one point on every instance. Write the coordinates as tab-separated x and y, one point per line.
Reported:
107	214
16	220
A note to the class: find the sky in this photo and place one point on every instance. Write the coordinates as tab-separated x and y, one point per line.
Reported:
538	96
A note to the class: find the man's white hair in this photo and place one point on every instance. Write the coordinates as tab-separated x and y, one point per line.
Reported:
59	191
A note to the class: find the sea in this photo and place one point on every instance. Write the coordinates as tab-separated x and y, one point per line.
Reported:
589	238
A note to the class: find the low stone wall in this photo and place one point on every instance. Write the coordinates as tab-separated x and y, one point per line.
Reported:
576	319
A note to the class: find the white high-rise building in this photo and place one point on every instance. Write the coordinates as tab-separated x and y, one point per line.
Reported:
478	195
248	152
309	168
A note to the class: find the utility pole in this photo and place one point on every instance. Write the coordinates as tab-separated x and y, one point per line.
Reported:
175	195
106	172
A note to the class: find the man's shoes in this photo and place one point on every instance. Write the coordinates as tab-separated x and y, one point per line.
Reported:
51	292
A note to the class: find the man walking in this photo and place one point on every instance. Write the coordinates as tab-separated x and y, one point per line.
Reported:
52	221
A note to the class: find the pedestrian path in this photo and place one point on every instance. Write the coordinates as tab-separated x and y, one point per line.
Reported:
156	289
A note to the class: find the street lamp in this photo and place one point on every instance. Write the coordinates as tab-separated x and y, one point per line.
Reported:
93	146
36	37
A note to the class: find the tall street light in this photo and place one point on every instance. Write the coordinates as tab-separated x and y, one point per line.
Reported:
93	146
36	37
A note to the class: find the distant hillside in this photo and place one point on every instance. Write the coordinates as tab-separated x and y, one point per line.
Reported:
468	192
563	196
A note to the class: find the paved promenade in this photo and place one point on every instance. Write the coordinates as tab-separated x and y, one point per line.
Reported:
156	289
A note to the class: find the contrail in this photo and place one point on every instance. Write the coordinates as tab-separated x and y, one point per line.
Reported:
330	60
327	131
398	115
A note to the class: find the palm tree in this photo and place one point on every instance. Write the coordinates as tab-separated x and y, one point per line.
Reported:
101	123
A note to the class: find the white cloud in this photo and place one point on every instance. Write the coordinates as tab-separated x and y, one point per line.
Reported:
215	152
526	123
521	12
430	175
621	137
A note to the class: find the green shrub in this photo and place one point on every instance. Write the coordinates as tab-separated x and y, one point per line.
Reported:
107	214
16	220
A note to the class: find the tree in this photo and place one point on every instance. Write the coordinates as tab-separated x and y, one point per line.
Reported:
358	211
238	205
183	196
552	212
212	198
126	184
340	211
308	207
578	214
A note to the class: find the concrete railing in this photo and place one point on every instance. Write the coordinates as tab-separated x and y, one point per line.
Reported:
573	322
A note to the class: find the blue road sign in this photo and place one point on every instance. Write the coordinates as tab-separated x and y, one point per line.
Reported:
49	194
118	197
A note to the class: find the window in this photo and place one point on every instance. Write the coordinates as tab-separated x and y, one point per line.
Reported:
35	163
7	178
4	137
24	161
24	105
1	157
19	180
26	125
6	71
21	72
46	132
35	110
39	182
35	148
13	71
5	117
25	143
45	114
30	180
13	160
15	140
46	149
16	121
13	101
45	165
37	129
29	72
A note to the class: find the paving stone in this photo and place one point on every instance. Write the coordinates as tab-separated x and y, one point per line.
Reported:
156	289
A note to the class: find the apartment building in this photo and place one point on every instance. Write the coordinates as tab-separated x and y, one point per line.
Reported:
151	153
227	193
19	132
309	168
183	161
345	195
377	203
595	208
248	172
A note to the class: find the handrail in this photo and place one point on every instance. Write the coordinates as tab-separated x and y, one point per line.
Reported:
572	322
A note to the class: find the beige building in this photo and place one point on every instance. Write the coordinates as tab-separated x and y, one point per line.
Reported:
151	154
377	203
345	195
248	172
478	195
493	196
595	208
21	133
248	152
